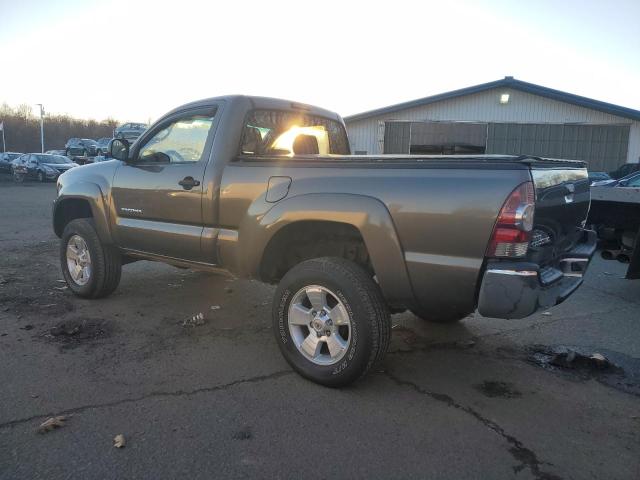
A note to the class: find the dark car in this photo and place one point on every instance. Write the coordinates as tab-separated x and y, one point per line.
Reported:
103	145
5	161
625	170
18	161
632	180
130	131
598	177
620	182
41	166
80	147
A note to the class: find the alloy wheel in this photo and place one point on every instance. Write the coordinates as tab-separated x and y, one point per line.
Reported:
78	260
319	325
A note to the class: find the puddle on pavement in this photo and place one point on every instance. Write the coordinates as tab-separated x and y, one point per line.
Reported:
496	389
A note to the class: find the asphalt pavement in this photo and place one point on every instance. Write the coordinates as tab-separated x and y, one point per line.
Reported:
480	399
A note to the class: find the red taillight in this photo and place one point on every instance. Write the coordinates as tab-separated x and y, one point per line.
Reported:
512	231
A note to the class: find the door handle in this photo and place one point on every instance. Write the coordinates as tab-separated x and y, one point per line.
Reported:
188	183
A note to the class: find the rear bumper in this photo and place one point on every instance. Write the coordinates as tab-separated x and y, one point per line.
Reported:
519	289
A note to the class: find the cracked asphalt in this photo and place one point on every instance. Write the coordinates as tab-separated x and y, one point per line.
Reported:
217	400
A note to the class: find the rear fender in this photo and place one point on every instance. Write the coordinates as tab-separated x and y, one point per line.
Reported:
368	215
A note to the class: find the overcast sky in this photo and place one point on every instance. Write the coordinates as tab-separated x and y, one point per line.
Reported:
135	59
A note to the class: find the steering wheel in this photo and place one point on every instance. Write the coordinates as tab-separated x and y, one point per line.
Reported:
175	156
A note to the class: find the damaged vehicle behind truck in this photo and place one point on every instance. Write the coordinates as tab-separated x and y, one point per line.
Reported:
267	189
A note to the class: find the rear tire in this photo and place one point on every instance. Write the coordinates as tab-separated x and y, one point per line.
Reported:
105	264
362	307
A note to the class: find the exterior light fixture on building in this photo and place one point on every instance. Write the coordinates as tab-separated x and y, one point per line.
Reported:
504	98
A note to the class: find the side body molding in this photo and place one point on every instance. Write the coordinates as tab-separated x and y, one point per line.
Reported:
368	215
98	203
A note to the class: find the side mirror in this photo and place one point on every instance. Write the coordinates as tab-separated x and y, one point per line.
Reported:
119	149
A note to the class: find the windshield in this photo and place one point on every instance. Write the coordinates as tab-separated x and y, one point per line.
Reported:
89	141
275	132
53	159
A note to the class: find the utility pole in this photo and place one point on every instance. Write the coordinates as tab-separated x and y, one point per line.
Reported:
41	127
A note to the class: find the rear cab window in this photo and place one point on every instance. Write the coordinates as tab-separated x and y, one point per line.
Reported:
287	133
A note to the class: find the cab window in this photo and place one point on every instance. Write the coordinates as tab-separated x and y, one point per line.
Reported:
276	132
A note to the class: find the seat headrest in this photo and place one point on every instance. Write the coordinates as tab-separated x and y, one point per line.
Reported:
305	145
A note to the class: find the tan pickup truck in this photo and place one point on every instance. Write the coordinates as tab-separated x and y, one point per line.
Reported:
267	189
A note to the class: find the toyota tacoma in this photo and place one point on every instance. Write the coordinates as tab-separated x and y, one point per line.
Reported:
267	189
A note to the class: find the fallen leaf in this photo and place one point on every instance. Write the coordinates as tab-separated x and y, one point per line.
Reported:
546	313
51	424
215	307
119	441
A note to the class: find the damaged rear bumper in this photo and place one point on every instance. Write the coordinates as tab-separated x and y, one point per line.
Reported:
519	289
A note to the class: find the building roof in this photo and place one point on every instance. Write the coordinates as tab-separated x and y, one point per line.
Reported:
506	82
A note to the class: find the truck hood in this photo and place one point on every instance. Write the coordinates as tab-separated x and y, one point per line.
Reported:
99	173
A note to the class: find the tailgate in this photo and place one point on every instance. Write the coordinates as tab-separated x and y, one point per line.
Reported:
562	205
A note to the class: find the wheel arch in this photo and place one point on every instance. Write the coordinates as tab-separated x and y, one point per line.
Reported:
366	217
81	200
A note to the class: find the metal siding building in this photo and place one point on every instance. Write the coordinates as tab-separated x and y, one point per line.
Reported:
535	120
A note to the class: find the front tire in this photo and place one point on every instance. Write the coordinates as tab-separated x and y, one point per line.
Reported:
91	269
330	321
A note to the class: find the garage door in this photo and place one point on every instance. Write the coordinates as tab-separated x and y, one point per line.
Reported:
604	147
397	136
434	137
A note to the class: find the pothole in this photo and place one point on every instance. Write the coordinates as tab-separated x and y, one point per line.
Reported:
614	369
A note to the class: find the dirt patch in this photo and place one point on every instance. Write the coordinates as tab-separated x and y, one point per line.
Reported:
75	332
496	389
53	305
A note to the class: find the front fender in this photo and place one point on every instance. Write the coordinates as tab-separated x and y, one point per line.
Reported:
368	215
93	195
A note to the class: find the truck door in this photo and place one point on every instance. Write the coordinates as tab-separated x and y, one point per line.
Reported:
157	194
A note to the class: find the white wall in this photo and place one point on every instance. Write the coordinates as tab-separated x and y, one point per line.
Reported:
485	107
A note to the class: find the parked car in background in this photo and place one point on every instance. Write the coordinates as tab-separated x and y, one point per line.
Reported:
130	131
80	147
102	145
42	167
632	180
5	161
625	170
18	161
620	182
55	152
598	177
